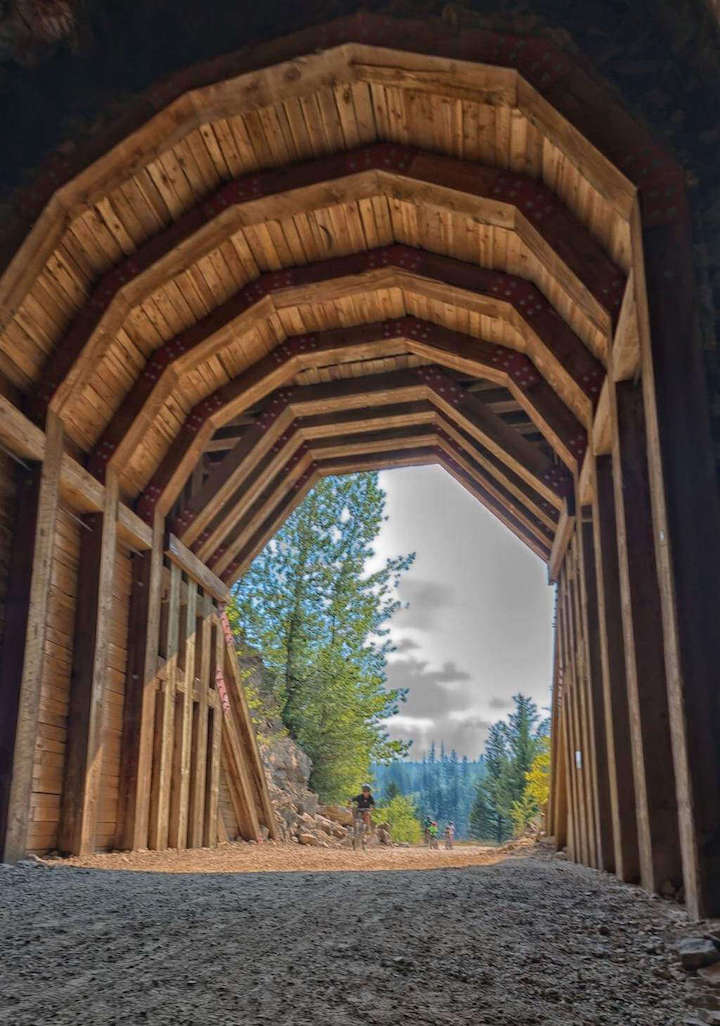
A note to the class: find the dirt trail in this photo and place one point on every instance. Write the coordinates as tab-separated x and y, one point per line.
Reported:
288	858
517	942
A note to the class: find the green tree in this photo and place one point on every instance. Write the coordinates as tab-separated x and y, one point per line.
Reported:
510	750
402	816
392	790
532	804
319	621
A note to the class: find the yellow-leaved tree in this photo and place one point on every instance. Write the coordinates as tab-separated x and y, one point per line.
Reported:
531	807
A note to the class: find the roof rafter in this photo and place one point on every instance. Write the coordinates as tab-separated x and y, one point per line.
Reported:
557	351
451	349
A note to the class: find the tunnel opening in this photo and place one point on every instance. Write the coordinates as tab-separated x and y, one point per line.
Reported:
374	244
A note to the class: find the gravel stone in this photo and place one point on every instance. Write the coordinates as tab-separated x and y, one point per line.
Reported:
507	940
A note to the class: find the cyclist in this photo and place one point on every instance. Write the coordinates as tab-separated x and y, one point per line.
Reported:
364	803
427	823
449	834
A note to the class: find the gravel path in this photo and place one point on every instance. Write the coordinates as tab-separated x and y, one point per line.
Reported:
522	941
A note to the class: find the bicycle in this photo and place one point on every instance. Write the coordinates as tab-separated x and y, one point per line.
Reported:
361	828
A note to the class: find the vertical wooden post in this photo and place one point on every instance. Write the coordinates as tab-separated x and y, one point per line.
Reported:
588	585
583	687
686	507
31	638
200	734
83	766
165	722
557	814
139	715
612	655
180	796
578	767
574	832
561	809
215	734
653	771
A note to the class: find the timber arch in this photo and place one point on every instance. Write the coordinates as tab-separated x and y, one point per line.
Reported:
375	243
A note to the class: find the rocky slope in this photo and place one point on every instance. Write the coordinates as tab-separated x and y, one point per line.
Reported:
300	816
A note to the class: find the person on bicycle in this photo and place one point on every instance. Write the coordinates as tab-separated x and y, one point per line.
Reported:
427	822
363	803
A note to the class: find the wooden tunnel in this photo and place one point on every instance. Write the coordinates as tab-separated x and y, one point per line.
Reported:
376	243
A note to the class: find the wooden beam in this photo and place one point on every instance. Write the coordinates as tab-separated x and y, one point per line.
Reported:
656	806
93	621
17	605
139	710
198	773
180	794
241	519
214	743
513	369
596	705
245	470
83	492
612	654
195	568
563	534
686	511
238	698
576	260
564	352
165	721
34	657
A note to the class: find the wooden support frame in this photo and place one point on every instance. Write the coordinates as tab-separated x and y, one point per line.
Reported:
291	452
242	517
180	796
165	720
84	763
557	422
604	841
198	772
457	406
592	280
32	640
653	770
139	711
565	354
612	655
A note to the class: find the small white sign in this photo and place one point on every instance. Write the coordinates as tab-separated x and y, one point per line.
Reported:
578	759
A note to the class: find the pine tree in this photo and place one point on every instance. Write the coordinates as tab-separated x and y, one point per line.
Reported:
510	750
319	622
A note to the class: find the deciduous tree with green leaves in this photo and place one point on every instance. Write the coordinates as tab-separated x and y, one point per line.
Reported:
319	620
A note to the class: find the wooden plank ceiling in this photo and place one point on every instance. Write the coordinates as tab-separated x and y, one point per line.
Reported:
364	258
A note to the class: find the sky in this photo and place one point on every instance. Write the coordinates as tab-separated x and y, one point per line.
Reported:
478	627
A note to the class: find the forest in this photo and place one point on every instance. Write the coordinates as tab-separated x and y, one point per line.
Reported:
442	784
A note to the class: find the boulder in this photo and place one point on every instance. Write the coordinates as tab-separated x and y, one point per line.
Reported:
711	974
304	837
337	813
326	824
697	952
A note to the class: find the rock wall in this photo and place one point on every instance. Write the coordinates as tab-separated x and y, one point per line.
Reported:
299	815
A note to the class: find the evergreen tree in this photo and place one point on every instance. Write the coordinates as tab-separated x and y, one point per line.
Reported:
319	622
392	790
443	789
510	750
